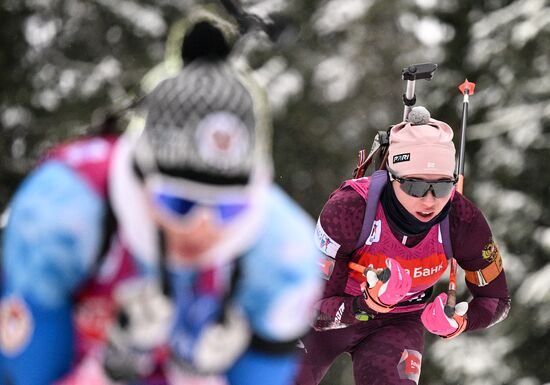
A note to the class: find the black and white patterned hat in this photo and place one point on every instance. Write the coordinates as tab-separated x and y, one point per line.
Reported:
207	124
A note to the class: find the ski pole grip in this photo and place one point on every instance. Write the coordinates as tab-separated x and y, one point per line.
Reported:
383	275
451	292
451	303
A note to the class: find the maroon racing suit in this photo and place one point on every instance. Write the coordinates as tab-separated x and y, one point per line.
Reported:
387	348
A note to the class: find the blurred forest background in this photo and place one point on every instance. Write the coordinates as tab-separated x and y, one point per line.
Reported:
333	81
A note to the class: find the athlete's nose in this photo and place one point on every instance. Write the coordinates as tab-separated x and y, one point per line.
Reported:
430	195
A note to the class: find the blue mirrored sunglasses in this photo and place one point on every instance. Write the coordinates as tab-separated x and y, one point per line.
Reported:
181	207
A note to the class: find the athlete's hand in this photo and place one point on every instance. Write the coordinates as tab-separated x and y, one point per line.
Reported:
386	287
207	345
434	318
137	343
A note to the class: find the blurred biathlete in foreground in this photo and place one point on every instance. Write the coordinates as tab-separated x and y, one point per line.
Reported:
163	257
404	222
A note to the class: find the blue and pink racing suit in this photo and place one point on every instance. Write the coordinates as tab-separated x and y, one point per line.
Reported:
57	306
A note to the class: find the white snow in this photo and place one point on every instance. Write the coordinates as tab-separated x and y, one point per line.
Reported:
536	289
334	78
108	69
15	115
469	359
336	15
281	82
40	32
144	18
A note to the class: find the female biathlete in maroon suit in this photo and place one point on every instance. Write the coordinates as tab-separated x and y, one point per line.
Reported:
405	222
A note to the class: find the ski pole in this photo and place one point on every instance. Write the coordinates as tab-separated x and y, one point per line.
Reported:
411	74
357	267
467	88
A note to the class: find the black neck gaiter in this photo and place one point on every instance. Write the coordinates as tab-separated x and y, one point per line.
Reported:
403	221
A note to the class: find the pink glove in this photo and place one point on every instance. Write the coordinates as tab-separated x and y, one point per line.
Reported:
384	290
434	318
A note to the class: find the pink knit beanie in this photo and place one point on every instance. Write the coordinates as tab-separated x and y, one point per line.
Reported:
421	145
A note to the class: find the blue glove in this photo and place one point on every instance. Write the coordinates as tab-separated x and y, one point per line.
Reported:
205	341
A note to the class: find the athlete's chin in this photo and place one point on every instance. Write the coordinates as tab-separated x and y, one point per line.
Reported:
188	254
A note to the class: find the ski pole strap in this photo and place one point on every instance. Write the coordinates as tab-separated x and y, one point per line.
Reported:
484	276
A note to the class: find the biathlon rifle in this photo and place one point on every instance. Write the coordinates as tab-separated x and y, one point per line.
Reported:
378	151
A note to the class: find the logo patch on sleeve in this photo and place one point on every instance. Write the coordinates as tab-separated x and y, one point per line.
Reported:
16	325
402	158
490	252
327	266
327	245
